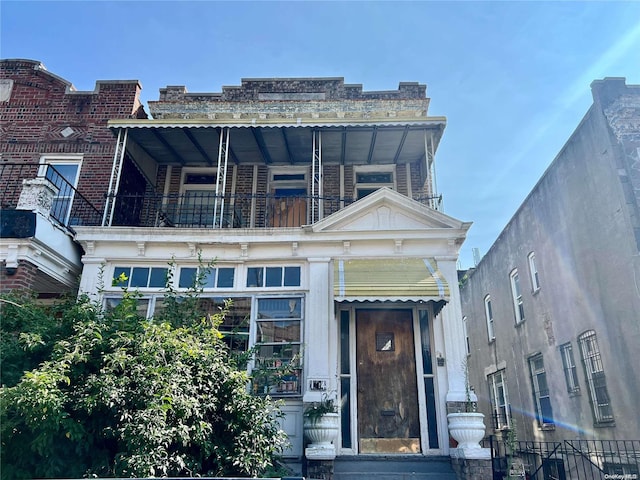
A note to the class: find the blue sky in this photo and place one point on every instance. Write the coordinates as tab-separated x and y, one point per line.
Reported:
512	78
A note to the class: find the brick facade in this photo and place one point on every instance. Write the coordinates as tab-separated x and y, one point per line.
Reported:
43	114
23	278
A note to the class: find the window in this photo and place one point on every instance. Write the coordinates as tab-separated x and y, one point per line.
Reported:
273	277
199	198
596	381
235	326
211	277
269	327
533	272
569	366
541	397
499	399
466	336
368	181
142	306
140	277
278	339
517	296
63	173
488	311
288	205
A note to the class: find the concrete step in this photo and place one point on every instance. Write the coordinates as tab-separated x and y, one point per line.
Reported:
391	467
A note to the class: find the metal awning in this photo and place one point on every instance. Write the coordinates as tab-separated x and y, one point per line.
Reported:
389	279
348	143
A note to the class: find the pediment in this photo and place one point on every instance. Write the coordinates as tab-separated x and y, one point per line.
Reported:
386	209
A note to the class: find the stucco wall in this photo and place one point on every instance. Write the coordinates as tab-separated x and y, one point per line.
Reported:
581	226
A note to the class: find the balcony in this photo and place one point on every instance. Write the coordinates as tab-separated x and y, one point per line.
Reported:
69	206
209	210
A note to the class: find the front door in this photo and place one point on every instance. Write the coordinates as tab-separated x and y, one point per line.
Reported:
388	418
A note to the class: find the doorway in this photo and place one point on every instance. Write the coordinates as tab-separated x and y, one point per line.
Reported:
387	393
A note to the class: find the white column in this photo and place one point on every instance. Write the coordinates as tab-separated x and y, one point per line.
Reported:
93	273
453	331
319	356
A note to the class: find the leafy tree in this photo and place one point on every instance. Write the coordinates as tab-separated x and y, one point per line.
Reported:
115	394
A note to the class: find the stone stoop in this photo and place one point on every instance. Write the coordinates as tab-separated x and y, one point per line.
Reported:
385	467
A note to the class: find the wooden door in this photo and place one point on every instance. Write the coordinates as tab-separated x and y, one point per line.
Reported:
388	418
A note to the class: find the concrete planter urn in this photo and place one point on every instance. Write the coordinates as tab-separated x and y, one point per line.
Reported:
323	430
467	428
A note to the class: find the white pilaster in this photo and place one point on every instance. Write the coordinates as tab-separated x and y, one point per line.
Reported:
318	354
451	315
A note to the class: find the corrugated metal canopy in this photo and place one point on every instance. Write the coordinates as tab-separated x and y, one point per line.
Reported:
284	144
389	279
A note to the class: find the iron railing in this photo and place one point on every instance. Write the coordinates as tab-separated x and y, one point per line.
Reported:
566	459
69	207
210	210
189	210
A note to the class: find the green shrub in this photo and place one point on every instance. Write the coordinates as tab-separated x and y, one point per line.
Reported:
109	393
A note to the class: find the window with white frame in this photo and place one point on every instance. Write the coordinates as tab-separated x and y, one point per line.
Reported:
278	338
198	189
209	277
488	312
289	190
466	336
288	182
541	395
533	272
569	366
368	180
517	296
62	172
499	399
270	325
140	277
275	276
596	381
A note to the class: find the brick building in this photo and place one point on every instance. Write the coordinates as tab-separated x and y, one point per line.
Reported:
55	139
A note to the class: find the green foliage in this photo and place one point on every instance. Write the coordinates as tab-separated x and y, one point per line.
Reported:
317	409
29	332
109	393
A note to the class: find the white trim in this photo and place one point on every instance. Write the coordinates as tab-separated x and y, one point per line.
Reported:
516	296
488	315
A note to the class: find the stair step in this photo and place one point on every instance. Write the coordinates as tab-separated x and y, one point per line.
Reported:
393	468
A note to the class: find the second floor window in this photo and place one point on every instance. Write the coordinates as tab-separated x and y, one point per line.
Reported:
533	272
488	311
63	174
466	336
517	296
199	196
367	182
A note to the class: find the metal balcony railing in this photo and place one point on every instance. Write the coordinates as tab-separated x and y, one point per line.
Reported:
69	207
208	210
